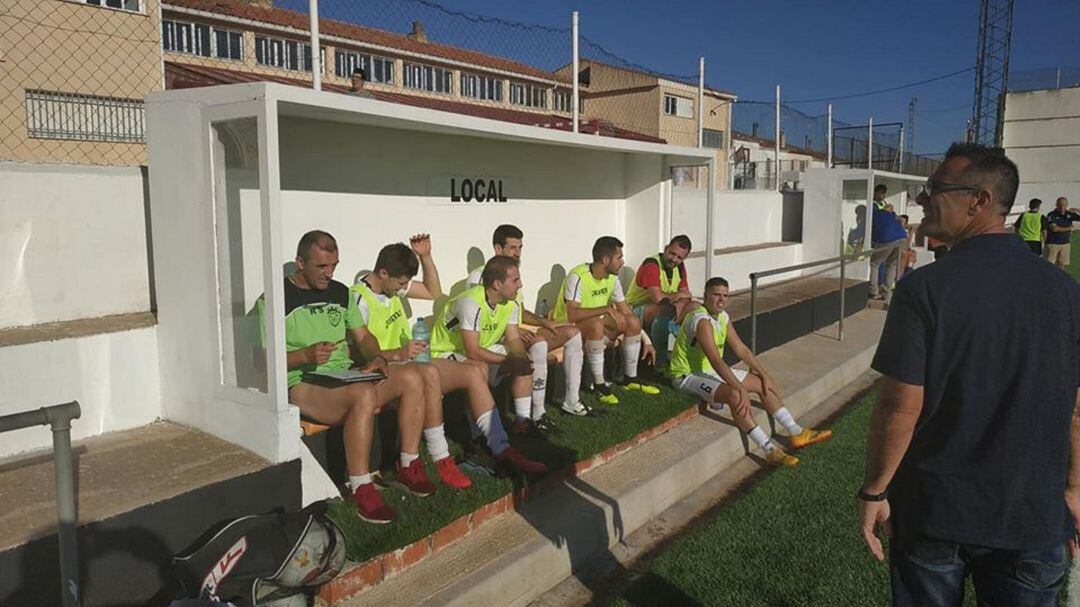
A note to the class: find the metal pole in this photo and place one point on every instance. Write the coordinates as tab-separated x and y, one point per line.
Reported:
710	213
900	159
67	518
870	144
828	161
700	101
777	167
843	287
1057	83
577	68
753	314
316	55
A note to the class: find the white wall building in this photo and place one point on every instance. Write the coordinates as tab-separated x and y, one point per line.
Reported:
1042	135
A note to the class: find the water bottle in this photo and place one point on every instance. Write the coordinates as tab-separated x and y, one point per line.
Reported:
420	332
542	308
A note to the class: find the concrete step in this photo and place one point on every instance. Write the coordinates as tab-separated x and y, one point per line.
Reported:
519	556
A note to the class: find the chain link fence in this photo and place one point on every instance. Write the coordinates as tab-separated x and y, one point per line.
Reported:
73	75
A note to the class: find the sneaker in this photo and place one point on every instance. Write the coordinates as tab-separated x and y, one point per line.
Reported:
450	475
633	383
579	409
370	506
779	457
478	457
518	460
415	479
546	425
810	437
605	395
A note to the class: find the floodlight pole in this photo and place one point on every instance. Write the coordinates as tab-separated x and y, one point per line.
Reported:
700	101
870	143
316	55
828	158
577	68
777	167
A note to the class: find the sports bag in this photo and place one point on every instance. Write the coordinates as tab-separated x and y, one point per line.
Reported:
274	559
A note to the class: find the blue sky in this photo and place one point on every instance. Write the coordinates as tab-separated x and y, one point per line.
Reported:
811	48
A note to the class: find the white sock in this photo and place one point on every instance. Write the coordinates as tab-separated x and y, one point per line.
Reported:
573	360
435	438
538	354
757	435
594	353
491	427
631	349
522	407
783	416
408	458
356	481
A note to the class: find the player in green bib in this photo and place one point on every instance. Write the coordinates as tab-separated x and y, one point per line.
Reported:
592	298
698	368
1031	226
319	316
507	240
386	332
480	327
660	293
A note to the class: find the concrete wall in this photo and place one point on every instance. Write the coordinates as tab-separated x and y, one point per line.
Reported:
74	47
73	243
1042	135
563	199
114	376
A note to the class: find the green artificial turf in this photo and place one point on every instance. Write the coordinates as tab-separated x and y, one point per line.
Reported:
585	437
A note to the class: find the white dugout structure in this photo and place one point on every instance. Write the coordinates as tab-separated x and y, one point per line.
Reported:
238	173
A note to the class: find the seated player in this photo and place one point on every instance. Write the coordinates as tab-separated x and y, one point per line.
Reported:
479	327
592	298
698	368
507	240
395	267
319	313
660	293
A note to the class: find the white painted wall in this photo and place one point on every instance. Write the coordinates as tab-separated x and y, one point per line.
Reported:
72	243
114	376
563	199
736	267
1042	136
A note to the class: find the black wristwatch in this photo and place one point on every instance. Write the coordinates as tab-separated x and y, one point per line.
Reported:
872	497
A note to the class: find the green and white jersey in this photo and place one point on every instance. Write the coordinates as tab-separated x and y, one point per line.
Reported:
315	316
470	311
384	316
581	287
687	356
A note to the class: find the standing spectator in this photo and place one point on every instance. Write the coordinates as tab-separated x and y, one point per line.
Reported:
885	231
1059	231
972	463
1031	226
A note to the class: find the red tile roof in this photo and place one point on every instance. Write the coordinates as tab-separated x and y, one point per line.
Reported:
294	19
183	75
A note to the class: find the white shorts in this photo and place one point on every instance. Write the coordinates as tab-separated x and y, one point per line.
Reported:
495	376
703	385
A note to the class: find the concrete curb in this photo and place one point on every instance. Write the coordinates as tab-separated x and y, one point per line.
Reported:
519	557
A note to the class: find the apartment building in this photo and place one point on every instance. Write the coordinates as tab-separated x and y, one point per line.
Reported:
73	74
657	106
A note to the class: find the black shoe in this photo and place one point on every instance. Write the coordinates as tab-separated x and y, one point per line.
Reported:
547	426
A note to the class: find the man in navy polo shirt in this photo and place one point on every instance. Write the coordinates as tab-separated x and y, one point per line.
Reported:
1059	231
969	467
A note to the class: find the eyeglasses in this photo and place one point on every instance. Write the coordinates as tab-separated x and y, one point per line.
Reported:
930	188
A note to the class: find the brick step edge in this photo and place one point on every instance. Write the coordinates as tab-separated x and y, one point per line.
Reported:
384	566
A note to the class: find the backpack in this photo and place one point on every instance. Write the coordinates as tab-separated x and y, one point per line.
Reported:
261	560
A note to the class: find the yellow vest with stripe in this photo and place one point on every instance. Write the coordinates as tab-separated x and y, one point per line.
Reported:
492	323
1031	226
594	293
687	357
388	323
640	295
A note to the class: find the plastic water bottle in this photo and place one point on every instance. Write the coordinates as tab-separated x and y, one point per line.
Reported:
420	332
542	308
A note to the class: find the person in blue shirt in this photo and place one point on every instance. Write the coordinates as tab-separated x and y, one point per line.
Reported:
885	231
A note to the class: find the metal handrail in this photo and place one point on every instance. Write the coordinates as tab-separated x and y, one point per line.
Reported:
58	418
840	259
